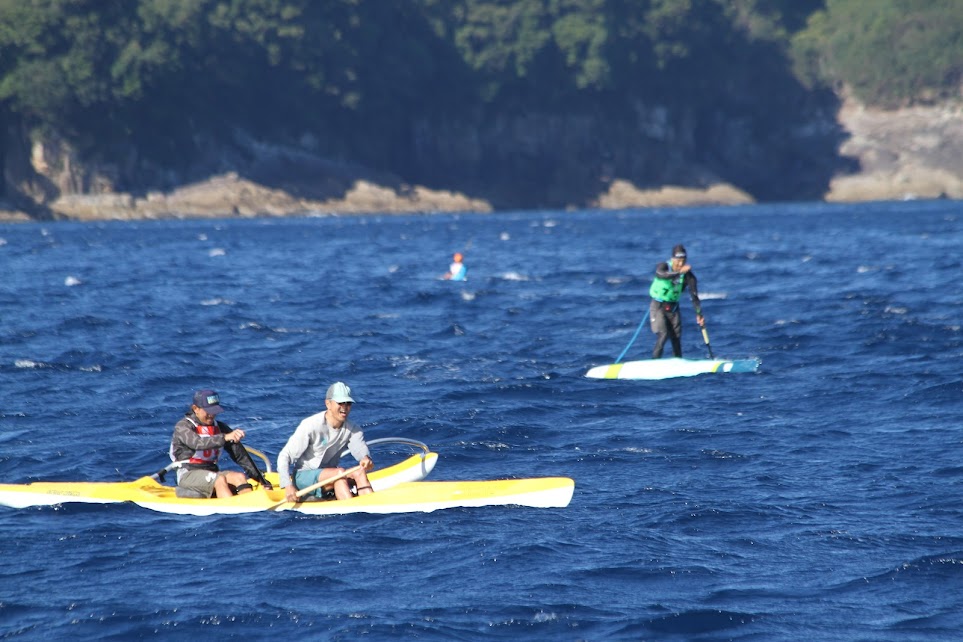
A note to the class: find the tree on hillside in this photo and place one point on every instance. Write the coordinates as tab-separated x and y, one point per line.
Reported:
166	75
889	52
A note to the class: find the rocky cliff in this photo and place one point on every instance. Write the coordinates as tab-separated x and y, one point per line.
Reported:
910	153
905	154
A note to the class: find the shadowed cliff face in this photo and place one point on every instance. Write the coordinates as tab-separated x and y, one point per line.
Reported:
555	160
730	111
899	154
526	160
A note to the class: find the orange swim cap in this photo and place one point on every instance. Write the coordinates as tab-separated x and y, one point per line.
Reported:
458	257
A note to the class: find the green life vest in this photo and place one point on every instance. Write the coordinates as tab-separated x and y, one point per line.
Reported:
666	290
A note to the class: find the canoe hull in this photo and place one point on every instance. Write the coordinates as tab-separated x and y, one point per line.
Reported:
653	369
398	489
149	493
429	496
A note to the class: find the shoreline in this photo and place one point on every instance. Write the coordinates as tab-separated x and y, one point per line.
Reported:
719	195
913	153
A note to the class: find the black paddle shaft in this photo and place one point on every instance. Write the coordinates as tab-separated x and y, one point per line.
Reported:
705	333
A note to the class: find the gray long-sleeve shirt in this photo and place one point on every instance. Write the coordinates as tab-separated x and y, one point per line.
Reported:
186	443
315	444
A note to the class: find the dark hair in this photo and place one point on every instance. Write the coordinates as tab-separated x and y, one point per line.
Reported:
678	252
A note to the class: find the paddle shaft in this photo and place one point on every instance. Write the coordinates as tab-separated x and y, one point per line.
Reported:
705	337
261	479
258	453
329	480
705	333
323	482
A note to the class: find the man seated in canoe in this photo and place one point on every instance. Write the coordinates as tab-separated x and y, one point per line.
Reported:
197	442
314	451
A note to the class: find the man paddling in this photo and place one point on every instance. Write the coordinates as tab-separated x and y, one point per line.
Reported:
314	450
671	278
197	441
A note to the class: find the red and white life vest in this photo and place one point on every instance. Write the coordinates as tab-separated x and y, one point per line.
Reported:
208	455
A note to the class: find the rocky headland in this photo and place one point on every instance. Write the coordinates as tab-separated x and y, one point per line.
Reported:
910	153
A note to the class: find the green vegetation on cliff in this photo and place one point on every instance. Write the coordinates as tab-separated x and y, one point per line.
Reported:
472	94
890	53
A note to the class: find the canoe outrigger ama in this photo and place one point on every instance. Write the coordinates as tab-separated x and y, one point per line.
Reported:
398	489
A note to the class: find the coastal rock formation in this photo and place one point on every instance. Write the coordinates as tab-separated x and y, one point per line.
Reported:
623	194
910	153
916	152
230	195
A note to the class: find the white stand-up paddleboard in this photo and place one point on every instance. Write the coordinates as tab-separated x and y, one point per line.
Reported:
670	367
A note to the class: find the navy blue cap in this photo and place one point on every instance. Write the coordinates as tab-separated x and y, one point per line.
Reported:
209	401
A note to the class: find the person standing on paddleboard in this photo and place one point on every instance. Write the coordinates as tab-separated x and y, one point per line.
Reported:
314	450
197	441
671	278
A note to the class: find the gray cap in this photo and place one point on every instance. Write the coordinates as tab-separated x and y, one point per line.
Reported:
339	393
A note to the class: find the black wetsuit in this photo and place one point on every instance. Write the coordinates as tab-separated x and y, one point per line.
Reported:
666	322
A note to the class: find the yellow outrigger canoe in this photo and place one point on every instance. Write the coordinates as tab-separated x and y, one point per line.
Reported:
398	489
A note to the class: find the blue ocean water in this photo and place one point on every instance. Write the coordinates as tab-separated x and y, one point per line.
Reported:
818	498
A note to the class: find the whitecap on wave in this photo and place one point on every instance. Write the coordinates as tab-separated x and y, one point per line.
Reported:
31	364
217	251
72	280
708	296
253	325
217	301
28	363
514	276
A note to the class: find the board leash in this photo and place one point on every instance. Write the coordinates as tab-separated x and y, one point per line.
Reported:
634	336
